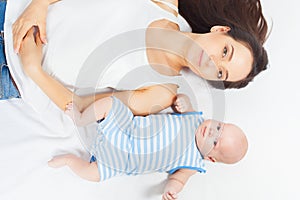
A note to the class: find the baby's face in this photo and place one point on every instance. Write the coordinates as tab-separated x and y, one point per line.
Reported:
223	142
208	135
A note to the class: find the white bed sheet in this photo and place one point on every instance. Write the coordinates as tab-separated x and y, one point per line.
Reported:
29	139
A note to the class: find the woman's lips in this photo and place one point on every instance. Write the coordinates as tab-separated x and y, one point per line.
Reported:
200	59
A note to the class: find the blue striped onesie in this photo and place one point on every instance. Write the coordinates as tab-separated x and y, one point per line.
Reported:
131	145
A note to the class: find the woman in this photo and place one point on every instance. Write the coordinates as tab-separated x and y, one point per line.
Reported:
227	54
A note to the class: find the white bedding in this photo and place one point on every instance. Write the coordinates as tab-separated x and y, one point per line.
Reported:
28	140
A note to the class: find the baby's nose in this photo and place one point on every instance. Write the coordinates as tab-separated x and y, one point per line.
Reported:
212	132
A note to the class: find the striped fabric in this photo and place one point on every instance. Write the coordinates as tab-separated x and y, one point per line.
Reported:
136	145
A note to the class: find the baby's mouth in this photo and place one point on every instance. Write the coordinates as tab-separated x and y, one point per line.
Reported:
203	131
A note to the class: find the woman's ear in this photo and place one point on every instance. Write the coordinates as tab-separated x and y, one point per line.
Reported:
223	29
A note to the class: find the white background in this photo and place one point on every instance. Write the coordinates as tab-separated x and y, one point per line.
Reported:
268	111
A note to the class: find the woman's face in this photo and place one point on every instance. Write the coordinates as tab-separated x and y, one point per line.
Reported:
219	57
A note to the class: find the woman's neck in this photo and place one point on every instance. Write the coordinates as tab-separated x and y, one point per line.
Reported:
167	48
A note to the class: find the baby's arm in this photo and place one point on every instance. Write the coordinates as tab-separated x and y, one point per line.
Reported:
176	182
96	111
182	104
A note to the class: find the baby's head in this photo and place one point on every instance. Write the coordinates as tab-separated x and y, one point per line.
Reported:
221	142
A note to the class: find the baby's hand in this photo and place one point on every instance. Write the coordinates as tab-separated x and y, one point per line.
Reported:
169	195
182	104
73	112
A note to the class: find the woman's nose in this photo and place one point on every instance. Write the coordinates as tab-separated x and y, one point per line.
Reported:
214	62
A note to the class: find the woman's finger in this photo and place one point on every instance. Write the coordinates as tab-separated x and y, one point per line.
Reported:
30	33
16	39
42	31
19	35
38	40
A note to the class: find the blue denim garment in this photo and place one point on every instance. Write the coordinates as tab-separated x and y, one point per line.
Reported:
7	88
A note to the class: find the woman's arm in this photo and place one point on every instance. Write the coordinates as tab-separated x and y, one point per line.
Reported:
31	58
176	182
142	102
34	15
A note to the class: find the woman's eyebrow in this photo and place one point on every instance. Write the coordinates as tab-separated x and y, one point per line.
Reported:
231	52
226	75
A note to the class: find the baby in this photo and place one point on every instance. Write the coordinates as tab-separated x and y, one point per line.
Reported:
174	143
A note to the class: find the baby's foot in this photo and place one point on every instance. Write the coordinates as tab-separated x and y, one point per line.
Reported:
73	112
59	161
69	110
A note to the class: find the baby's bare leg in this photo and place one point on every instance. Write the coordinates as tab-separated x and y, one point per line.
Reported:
82	168
73	112
96	111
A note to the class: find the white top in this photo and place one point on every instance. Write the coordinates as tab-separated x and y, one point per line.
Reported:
75	29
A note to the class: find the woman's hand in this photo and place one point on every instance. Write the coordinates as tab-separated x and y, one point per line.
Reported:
34	15
31	51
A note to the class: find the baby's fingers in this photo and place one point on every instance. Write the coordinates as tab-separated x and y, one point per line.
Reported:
170	196
69	106
178	108
178	103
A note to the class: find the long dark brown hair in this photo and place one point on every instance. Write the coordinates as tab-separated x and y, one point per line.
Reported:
247	23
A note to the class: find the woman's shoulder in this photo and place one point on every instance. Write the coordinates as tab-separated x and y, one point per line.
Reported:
171	7
168	5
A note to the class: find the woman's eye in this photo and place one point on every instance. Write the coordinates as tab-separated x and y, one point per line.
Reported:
220	74
225	51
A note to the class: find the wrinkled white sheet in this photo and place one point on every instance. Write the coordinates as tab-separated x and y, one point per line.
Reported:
29	139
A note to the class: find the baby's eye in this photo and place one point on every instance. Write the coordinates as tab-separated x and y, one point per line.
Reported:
215	142
225	51
218	127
